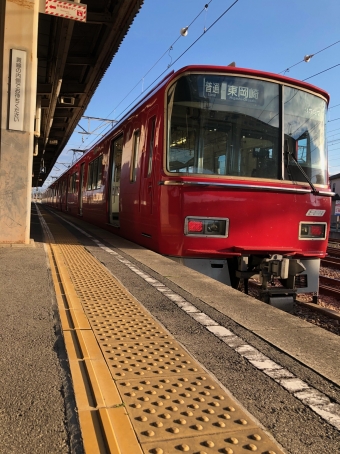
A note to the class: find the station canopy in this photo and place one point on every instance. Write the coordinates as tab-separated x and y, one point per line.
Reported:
73	56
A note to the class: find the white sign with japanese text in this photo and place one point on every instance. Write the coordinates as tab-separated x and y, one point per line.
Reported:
17	90
233	92
67	10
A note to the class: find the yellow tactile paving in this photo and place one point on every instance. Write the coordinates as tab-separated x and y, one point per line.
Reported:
137	390
241	443
181	407
148	359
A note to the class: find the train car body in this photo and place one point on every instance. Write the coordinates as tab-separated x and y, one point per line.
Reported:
223	169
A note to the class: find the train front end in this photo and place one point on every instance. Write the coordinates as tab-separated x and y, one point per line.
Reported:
245	181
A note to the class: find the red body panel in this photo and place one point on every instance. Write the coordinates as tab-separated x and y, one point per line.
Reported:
258	222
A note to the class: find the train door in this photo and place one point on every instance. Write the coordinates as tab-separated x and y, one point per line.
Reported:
80	190
64	194
116	149
68	190
146	201
60	195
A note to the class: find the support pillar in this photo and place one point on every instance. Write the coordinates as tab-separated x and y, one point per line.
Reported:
18	32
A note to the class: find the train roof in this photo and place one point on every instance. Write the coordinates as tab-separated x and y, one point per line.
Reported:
254	73
218	69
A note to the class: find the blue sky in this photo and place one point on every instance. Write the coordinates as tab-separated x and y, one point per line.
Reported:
269	35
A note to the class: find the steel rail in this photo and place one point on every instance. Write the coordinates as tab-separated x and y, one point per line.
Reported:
333	251
331	262
329	281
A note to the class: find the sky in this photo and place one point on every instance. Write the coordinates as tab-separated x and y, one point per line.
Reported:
268	35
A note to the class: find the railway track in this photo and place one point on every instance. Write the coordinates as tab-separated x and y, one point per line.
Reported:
334	251
331	262
334	241
331	282
330	287
329	291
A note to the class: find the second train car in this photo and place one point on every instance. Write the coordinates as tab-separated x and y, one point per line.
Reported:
223	169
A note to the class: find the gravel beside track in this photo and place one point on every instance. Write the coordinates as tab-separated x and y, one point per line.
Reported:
312	316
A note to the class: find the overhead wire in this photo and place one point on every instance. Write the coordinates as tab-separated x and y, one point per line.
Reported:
334	134
160	58
325	70
172	63
308	56
306	59
335	149
188	48
142	79
337	129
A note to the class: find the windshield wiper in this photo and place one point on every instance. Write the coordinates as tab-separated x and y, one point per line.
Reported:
290	155
314	190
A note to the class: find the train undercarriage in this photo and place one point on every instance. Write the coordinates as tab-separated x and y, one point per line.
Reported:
279	278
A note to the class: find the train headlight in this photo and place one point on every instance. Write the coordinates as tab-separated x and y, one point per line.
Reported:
312	230
206	227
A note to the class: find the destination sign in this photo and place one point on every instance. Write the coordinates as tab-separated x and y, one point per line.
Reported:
233	91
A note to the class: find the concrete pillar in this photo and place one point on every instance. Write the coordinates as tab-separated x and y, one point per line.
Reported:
18	32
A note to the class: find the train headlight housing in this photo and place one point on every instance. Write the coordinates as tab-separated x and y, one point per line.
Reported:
206	226
312	230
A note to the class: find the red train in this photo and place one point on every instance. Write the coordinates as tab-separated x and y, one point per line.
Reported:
223	169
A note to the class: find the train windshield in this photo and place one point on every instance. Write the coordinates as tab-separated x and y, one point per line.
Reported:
231	125
304	136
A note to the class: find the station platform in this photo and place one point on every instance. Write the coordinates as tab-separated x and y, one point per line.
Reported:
111	348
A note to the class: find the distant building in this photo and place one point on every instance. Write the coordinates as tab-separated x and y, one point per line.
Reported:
335	184
334	181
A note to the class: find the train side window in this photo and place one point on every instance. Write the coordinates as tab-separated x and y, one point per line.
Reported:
95	173
134	157
72	183
150	146
89	176
100	171
75	180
